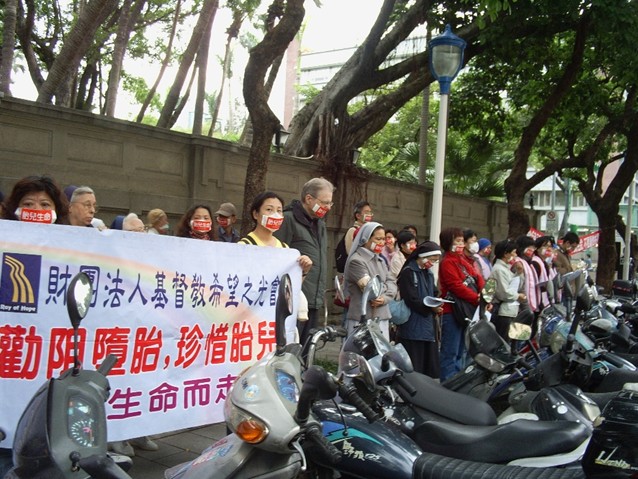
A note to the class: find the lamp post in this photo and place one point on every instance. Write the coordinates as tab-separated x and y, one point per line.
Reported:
446	59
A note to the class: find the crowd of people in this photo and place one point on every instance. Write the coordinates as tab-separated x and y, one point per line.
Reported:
433	336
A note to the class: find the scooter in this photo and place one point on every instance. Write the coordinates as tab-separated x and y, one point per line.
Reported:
62	432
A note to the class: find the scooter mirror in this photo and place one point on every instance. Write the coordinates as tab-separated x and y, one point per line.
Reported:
487	293
355	366
519	331
78	298
283	309
371	290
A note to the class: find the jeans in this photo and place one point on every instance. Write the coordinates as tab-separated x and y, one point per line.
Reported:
453	352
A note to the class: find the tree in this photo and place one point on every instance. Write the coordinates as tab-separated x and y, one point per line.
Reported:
8	44
62	72
206	16
256	91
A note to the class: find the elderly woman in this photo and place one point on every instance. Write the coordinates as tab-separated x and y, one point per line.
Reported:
37	199
364	262
507	296
157	222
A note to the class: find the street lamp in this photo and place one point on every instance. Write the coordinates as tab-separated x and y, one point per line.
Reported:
279	138
446	59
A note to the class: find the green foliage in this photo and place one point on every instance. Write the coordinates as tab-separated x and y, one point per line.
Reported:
139	88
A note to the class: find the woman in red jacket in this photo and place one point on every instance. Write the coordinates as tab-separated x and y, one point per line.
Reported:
456	273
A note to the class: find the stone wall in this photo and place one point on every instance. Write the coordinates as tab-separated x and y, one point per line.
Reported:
136	168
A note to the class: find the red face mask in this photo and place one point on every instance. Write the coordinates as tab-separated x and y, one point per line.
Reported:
319	210
201	226
411	246
529	253
377	247
36	216
458	248
223	221
272	223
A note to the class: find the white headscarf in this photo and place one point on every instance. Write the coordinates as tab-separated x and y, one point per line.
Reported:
363	236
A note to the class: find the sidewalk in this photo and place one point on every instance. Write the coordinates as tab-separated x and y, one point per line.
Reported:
185	445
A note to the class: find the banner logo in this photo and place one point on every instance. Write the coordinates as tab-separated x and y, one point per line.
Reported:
19	283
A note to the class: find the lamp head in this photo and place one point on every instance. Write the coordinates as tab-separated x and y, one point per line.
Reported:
446	57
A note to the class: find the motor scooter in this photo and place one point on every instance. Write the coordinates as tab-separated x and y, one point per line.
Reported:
62	432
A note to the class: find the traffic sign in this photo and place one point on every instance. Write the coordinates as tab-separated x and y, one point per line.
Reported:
551	221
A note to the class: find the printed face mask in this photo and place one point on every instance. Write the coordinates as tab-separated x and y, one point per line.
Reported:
458	248
529	252
36	216
223	221
377	247
474	248
165	227
367	218
425	263
272	222
201	226
320	210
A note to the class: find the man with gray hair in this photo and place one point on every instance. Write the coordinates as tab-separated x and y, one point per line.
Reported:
305	230
82	206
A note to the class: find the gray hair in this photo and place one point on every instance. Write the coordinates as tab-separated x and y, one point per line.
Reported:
128	219
314	186
79	191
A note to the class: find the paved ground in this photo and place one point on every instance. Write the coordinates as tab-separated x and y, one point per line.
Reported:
182	446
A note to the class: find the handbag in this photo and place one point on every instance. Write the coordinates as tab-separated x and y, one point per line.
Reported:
399	312
461	309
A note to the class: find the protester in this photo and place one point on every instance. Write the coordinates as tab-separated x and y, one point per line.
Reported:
37	199
406	244
196	223
412	229
458	277
132	222
82	207
389	250
419	335
305	230
364	263
542	264
525	250
362	214
507	295
157	222
226	217
482	261
562	260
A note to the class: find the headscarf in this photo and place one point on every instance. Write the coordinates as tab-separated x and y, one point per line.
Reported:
363	236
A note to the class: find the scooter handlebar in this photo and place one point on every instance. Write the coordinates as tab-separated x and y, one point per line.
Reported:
326	448
107	365
101	466
350	395
405	385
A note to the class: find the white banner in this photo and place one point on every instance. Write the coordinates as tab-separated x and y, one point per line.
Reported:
184	317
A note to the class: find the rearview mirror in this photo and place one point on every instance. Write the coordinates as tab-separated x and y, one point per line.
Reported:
283	309
371	291
519	331
355	366
78	298
487	293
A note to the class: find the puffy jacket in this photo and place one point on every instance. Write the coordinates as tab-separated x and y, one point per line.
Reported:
309	236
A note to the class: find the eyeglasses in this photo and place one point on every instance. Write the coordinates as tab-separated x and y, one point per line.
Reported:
87	205
328	204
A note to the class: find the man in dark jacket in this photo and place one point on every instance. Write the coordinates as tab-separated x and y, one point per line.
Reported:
305	230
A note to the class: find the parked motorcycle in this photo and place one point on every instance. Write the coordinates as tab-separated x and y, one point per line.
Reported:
62	432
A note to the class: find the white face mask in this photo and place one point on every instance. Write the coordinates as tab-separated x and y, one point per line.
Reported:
36	216
272	222
474	248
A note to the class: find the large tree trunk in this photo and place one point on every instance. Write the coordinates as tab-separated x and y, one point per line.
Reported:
264	121
8	45
24	29
77	43
128	18
207	13
517	185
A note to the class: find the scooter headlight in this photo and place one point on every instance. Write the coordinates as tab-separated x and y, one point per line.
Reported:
248	428
489	363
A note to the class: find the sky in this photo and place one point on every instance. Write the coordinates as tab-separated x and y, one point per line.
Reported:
336	24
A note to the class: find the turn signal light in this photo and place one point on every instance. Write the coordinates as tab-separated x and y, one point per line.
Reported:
251	431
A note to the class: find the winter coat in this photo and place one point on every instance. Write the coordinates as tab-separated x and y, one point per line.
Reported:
415	284
309	236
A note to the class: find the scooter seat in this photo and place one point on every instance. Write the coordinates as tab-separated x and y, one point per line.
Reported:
502	443
445	404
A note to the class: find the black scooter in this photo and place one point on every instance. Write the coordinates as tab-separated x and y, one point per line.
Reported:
62	432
